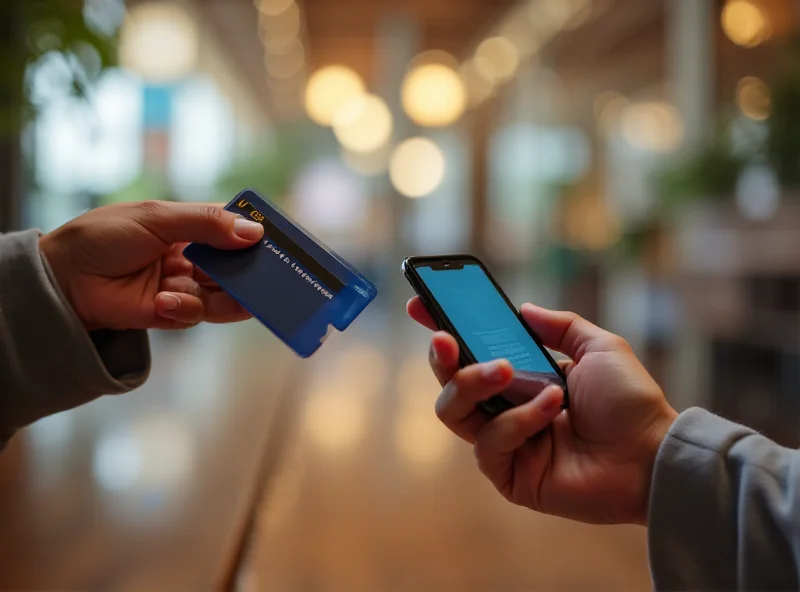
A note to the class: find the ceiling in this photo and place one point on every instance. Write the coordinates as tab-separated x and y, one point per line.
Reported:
345	31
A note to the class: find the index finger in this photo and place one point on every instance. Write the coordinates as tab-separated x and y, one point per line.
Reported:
443	357
417	311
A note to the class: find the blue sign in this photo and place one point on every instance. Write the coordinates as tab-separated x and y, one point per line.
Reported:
157	102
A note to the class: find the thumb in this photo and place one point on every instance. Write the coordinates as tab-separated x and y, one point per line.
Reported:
568	333
208	224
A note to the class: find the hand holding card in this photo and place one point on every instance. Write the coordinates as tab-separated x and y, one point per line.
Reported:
289	281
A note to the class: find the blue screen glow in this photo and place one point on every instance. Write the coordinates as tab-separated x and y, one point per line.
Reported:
483	319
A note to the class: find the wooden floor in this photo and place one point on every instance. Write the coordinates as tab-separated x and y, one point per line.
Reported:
373	494
152	491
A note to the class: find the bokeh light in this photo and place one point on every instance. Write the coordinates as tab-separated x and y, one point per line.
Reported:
335	419
497	59
278	31
433	56
590	224
287	63
754	98
744	23
758	193
330	197
653	126
367	164
159	42
478	88
433	95
609	107
417	167
363	124
328	90
155	454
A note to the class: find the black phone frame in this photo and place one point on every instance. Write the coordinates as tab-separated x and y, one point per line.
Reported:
497	404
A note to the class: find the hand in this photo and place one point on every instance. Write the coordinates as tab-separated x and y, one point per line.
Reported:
121	267
592	463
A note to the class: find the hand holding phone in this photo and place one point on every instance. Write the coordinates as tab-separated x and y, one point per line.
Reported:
465	301
593	464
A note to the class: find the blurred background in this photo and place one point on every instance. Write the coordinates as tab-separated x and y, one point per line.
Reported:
635	161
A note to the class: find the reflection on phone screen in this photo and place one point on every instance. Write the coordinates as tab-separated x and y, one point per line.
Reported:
489	327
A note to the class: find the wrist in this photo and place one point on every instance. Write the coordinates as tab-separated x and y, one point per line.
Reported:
58	263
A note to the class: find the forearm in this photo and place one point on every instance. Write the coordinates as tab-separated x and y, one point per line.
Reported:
48	361
724	509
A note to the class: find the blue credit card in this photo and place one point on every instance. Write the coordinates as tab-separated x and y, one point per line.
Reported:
290	282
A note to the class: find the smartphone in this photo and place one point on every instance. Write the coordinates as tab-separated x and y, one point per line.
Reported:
465	300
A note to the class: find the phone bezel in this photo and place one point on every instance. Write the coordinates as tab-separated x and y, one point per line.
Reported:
497	404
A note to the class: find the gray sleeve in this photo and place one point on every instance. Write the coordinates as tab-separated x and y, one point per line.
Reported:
48	362
724	509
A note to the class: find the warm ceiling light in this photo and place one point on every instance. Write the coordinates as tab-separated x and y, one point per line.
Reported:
363	124
285	67
522	34
293	47
433	95
159	41
273	7
417	167
328	90
433	56
656	127
497	59
744	23
280	30
754	98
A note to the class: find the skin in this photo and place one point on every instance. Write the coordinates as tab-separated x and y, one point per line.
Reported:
593	463
121	267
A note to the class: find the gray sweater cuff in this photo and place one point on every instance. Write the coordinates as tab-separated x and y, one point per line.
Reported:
687	517
48	361
723	508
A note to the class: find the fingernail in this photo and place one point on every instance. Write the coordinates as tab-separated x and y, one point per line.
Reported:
247	229
495	371
171	302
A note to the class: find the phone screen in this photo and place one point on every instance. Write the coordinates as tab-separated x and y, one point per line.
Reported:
484	321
